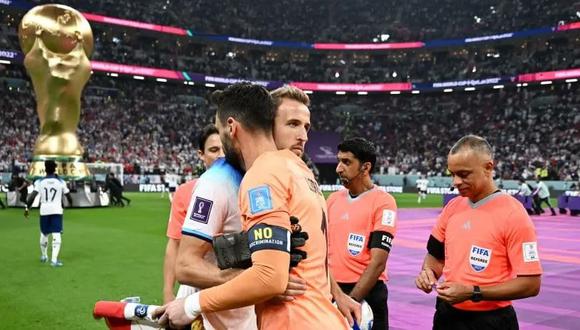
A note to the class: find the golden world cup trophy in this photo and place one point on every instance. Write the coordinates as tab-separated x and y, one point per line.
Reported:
57	41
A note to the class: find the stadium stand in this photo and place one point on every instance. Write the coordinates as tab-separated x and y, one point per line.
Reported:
151	126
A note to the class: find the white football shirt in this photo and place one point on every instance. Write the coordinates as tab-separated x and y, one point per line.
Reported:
50	190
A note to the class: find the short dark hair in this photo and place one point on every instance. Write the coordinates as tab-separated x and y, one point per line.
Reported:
249	104
362	149
473	142
49	166
206	132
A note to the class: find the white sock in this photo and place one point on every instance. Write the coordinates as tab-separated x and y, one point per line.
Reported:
43	245
55	246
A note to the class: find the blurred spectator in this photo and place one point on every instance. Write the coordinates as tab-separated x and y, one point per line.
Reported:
149	127
325	21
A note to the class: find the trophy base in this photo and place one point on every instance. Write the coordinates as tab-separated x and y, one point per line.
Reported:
67	167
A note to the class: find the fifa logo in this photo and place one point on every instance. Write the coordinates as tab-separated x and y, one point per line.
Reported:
479	258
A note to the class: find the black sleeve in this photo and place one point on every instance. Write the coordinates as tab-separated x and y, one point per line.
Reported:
436	248
381	240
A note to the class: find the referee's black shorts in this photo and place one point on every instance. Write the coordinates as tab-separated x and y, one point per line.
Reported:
450	318
377	300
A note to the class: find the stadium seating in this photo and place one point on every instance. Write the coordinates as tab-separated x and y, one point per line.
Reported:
150	126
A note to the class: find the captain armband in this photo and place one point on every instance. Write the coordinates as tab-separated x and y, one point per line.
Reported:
381	240
267	237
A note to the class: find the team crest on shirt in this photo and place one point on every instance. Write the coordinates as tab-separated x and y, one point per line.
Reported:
260	199
479	258
201	209
313	186
355	244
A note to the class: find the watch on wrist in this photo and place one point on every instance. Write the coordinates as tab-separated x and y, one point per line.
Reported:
476	296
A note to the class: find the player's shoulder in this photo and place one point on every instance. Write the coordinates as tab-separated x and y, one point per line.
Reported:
271	157
268	165
185	188
221	170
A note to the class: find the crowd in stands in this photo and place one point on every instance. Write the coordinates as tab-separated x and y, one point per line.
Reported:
149	126
340	21
530	128
130	46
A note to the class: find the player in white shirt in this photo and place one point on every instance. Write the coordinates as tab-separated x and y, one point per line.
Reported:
172	184
213	210
526	192
422	184
50	188
543	195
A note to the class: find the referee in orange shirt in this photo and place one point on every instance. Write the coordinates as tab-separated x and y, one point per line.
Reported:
484	245
361	227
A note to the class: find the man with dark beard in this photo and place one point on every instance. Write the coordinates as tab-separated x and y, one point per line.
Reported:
361	227
277	184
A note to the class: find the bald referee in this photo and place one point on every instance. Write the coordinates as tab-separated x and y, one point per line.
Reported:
483	244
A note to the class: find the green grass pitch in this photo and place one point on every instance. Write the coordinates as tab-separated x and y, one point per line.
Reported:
108	254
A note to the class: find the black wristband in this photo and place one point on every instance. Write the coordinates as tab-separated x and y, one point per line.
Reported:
476	296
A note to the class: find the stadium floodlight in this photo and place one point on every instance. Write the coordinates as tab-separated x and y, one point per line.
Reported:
448	90
395	92
469	89
113	74
185	82
191	83
161	80
498	86
519	85
340	93
362	93
308	92
415	92
139	77
525	84
5	62
209	85
571	80
546	82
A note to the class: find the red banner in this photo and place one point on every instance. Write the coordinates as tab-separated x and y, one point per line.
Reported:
135	70
376	46
134	24
549	75
329	87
